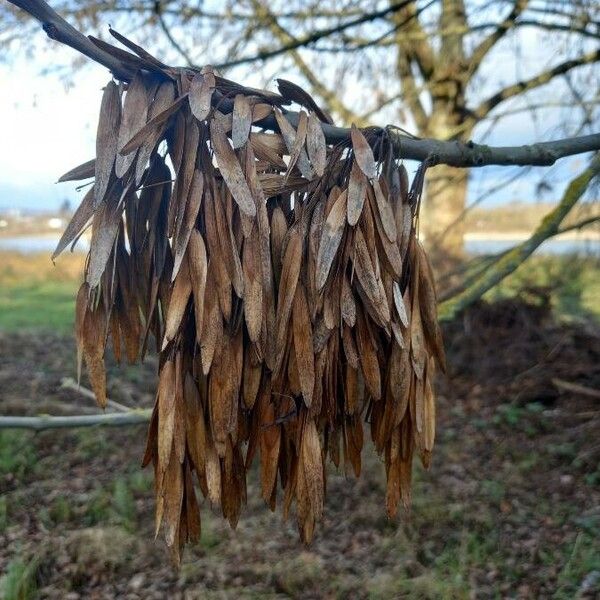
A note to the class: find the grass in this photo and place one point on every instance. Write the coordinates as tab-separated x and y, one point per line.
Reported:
49	305
583	560
19	581
573	283
37	295
17	457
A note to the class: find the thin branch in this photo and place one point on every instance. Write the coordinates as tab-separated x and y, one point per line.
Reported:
315	36
409	90
352	44
565	28
48	422
579	225
541	79
70	384
515	257
420	51
334	104
190	12
502	29
576	388
163	25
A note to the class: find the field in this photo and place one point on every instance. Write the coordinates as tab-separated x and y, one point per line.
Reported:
509	509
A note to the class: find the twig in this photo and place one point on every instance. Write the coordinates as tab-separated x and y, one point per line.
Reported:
453	153
579	224
40	423
70	384
317	35
58	29
576	388
163	25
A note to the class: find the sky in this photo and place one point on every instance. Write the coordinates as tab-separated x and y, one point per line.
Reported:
48	127
47	130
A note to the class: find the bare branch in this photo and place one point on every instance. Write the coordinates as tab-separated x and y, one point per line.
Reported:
458	154
410	92
315	36
541	79
331	99
512	259
58	29
579	225
566	28
420	50
178	47
489	42
48	422
70	384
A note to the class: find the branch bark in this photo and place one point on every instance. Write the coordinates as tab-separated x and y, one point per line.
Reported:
58	29
47	422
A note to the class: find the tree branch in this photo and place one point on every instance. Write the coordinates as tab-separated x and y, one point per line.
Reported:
334	104
503	28
541	79
511	260
48	422
579	225
315	36
178	47
410	93
419	50
58	29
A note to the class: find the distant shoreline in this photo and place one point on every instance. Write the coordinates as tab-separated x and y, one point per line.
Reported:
470	236
517	236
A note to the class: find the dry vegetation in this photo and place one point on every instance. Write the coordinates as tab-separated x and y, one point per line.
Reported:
282	278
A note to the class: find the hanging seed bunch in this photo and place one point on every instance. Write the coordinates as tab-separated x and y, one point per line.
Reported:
281	279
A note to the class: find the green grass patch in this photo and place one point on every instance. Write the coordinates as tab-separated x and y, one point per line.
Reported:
37	295
19	581
3	514
49	305
573	283
17	457
583	559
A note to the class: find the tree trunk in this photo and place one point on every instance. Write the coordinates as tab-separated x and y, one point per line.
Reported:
441	221
446	187
445	198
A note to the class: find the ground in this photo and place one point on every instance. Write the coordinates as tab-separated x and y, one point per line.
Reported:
509	509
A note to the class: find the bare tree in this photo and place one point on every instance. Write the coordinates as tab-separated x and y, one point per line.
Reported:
440	67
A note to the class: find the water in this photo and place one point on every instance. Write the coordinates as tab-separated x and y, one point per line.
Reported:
35	243
47	244
553	247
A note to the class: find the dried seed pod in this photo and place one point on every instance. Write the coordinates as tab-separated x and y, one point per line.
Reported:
289	298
